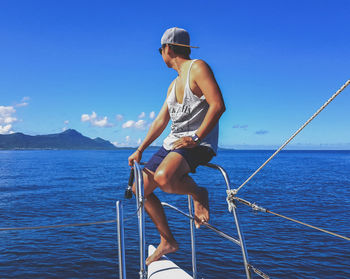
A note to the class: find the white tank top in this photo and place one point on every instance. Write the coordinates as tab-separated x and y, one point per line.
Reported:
188	116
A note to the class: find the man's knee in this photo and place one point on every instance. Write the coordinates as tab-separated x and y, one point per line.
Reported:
163	180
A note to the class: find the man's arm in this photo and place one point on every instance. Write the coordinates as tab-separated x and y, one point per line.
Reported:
205	80
156	129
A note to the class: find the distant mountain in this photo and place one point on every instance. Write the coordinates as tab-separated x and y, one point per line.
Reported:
69	139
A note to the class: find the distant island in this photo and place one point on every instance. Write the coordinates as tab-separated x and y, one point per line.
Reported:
68	140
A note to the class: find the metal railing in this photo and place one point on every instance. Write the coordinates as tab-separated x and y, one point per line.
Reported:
121	245
140	202
140	199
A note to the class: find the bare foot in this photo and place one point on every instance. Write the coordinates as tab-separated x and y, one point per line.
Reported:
163	248
201	207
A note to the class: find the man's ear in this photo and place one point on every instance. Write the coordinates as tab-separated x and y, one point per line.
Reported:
169	51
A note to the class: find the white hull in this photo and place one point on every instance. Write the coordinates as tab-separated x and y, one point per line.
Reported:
165	268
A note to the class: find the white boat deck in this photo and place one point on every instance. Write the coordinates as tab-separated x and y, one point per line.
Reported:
165	268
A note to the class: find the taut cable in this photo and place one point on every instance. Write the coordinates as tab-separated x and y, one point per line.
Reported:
310	226
58	226
69	225
297	132
231	197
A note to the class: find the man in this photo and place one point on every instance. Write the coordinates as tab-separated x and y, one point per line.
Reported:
194	104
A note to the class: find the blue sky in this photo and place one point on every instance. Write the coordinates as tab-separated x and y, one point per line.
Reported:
93	66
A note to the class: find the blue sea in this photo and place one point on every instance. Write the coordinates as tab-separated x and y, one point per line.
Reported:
51	187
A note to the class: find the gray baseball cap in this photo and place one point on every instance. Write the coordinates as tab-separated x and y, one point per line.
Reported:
176	36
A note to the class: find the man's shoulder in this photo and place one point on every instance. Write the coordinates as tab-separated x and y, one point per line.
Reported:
199	63
200	67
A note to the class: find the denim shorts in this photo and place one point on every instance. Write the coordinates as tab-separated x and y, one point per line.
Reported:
196	156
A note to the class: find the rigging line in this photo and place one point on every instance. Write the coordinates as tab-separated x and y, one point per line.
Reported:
209	226
255	207
133	214
69	225
310	226
297	132
58	226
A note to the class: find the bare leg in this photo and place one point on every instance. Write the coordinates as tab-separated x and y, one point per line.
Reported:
155	210
172	177
199	194
168	243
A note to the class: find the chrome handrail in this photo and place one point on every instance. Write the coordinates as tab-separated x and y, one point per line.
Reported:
211	227
121	245
193	237
140	205
140	200
242	243
238	227
223	172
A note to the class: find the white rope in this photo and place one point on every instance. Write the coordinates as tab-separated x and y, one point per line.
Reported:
230	200
259	208
70	225
58	226
297	132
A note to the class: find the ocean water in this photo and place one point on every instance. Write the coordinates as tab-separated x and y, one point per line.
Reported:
61	187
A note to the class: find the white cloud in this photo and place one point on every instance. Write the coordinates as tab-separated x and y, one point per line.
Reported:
102	122
66	124
6	119
23	103
140	124
127	142
85	117
128	124
142	115
238	126
96	121
152	115
9	120
6	129
261	132
7	116
116	144
6	111
119	117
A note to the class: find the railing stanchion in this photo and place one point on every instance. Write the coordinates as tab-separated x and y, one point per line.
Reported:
242	242
140	200
193	238
121	245
240	233
141	218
